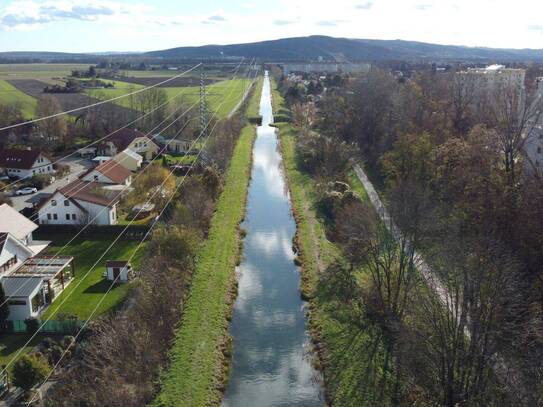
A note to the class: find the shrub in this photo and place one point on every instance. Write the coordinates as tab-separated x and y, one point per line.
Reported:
62	170
29	370
32	325
40	181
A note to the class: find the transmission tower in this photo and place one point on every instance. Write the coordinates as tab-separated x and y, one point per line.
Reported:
203	103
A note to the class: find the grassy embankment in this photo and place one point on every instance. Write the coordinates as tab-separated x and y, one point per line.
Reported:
253	107
9	94
199	358
350	379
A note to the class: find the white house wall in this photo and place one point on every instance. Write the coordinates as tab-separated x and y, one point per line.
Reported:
104	215
11	249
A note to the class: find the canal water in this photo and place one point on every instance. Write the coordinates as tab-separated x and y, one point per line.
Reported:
271	365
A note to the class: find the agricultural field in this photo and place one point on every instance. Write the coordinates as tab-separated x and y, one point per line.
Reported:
44	72
230	91
9	94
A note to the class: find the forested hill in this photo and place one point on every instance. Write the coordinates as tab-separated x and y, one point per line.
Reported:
312	47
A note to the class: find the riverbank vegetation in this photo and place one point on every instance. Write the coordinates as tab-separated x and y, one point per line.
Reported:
389	329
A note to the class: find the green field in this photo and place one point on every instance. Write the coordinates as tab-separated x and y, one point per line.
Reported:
230	91
83	298
196	357
9	95
38	71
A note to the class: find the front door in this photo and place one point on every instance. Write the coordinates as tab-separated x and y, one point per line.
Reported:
116	273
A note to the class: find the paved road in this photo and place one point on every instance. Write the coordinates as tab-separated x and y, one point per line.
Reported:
77	167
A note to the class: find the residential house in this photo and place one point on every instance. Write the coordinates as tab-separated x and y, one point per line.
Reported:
30	280
109	172
175	145
24	163
129	159
80	203
134	140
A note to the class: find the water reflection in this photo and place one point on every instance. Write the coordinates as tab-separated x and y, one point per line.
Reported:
270	365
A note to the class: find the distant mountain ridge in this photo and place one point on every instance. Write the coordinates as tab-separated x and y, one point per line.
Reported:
313	47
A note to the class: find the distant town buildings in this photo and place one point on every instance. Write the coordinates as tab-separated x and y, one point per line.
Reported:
325	67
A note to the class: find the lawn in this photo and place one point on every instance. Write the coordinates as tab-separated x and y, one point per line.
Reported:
180	159
9	94
230	90
196	357
83	298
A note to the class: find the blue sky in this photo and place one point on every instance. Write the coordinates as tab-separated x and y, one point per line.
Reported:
123	25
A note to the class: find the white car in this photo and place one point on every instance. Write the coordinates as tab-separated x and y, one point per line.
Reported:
26	191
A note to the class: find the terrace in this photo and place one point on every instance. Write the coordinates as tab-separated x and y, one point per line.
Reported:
56	271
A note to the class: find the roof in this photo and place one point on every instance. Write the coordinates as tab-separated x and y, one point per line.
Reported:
132	154
46	267
124	137
86	191
21	286
117	263
13	222
3	238
113	170
19	159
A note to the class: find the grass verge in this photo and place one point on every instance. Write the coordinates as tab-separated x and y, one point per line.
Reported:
9	94
198	361
351	352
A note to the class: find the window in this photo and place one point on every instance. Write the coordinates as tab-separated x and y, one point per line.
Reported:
66	203
37	302
49	216
96	177
48	168
73	216
538	150
53	202
55	216
67	216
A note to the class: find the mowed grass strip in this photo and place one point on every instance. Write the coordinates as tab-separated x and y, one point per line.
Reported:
9	94
86	252
195	355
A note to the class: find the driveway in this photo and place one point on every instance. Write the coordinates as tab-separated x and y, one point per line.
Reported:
77	166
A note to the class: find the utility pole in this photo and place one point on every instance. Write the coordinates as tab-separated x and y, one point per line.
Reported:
203	103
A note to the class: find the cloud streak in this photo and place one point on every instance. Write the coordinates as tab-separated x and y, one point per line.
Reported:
365	6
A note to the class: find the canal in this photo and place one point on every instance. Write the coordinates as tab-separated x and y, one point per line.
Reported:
271	362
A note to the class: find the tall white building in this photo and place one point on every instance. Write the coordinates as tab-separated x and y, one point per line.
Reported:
484	84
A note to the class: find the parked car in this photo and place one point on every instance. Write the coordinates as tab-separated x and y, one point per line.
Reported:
26	191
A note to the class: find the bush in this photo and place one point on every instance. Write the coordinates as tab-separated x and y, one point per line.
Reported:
40	181
61	170
29	370
32	325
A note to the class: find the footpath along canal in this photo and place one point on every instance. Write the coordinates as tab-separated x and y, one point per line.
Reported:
271	365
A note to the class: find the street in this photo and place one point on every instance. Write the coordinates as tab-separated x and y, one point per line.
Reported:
77	166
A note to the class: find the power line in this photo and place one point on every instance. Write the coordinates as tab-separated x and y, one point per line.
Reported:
106	251
180	93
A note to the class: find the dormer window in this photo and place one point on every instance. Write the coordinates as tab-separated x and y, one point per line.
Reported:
53	202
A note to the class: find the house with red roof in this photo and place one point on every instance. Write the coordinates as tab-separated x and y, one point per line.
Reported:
131	139
109	172
80	203
24	163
